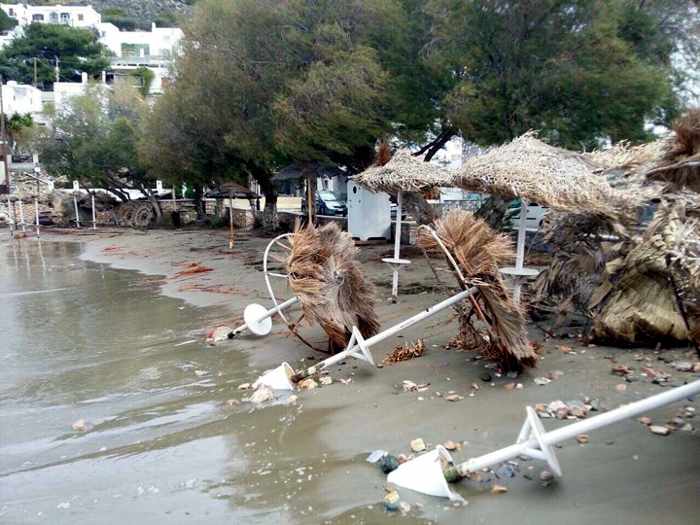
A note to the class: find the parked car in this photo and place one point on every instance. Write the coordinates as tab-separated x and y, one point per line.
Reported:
533	220
327	204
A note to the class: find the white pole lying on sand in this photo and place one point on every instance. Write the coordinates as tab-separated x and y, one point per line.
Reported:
396	262
359	347
257	318
10	218
534	442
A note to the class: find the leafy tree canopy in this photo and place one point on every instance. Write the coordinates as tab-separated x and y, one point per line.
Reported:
7	23
94	140
76	49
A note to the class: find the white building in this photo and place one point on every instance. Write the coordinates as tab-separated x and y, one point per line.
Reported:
21	99
70	15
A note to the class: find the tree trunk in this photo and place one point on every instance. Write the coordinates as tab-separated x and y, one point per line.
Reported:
198	202
493	211
270	219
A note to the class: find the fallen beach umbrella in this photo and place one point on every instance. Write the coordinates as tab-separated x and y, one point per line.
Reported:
359	347
424	474
258	319
533	441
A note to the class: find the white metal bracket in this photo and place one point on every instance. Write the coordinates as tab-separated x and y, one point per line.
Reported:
533	429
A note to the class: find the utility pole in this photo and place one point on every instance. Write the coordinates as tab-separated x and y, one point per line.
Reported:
58	70
35	72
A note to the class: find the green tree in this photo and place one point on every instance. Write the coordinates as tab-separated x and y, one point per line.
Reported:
566	67
94	140
76	49
7	23
283	81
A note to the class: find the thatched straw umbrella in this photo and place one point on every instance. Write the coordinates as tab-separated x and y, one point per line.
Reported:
493	323
537	172
404	173
326	278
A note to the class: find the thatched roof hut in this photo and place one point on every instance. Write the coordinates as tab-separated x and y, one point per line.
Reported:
405	173
553	177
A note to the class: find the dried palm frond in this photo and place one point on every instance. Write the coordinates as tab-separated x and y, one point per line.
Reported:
492	321
680	165
326	277
655	292
553	177
404	172
405	352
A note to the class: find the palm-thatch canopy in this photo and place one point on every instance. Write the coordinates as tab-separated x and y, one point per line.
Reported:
492	323
554	177
327	278
404	172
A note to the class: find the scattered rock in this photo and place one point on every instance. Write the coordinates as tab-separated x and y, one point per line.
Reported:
485	377
499	489
475	386
244	386
566	349
391	501
346	381
621	387
292	400
450	445
454	397
645	420
81	425
509	386
404	507
388	463
409	386
326	380
582	438
621	370
687	427
689	412
220	333
232	402
307	384
683	366
555	375
660	430
200	373
542	381
417	445
546	477
261	395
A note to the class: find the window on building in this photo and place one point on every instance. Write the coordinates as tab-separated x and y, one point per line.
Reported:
81	17
11	12
53	17
37	18
65	18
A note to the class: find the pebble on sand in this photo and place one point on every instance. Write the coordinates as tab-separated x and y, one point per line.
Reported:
450	445
417	445
307	384
81	426
621	387
582	438
660	430
326	380
244	386
261	395
645	420
499	489
454	397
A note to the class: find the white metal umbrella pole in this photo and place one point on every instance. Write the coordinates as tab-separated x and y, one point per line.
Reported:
425	474
283	377
534	442
396	262
359	347
257	318
519	273
94	214
75	205
36	215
